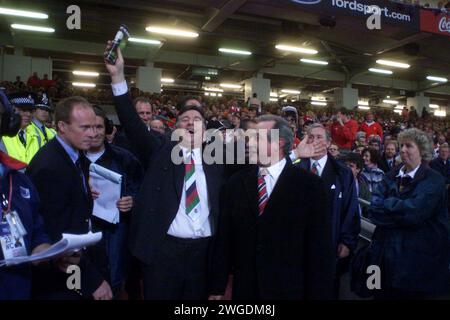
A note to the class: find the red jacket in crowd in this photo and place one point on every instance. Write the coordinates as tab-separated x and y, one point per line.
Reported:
345	135
373	129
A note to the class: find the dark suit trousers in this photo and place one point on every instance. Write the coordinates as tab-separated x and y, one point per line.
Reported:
179	271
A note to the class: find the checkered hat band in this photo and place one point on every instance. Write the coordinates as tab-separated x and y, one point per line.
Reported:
22	100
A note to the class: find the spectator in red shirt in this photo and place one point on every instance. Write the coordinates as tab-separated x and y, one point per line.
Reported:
371	127
46	82
34	81
343	130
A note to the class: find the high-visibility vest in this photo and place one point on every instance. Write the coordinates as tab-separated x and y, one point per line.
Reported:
50	133
17	150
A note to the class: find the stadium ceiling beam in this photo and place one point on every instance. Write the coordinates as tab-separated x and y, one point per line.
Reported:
218	16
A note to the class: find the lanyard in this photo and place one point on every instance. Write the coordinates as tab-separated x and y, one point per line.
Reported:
9	201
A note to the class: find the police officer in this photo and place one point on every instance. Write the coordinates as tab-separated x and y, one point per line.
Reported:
41	116
24	145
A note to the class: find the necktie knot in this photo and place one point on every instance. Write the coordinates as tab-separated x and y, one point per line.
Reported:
314	167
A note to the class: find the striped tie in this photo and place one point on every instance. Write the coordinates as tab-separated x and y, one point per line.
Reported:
263	197
192	199
314	168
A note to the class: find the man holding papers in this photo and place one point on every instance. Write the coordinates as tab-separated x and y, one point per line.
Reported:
117	173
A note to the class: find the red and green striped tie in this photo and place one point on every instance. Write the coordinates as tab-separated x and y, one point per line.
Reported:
192	199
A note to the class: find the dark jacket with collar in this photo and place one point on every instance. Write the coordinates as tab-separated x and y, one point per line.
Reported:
15	281
159	197
66	208
441	167
342	201
287	252
411	240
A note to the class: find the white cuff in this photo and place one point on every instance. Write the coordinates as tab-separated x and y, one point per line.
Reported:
119	89
292	155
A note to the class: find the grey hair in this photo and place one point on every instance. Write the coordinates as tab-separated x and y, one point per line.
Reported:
318	125
360	134
421	139
285	132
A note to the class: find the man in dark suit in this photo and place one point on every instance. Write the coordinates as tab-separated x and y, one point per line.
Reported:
274	233
177	208
60	173
387	161
442	163
342	199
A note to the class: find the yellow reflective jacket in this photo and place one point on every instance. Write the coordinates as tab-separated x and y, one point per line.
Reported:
16	149
50	133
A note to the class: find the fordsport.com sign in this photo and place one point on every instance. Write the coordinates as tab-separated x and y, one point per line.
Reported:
435	23
393	13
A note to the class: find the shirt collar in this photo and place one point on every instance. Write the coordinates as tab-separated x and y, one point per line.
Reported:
196	153
37	122
72	152
412	173
275	169
322	161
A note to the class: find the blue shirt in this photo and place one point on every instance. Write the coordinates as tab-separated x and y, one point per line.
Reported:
73	153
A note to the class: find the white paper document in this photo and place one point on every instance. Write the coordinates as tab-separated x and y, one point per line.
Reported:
67	245
109	184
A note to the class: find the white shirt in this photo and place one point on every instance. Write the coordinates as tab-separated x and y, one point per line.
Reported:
119	89
274	172
412	173
320	164
94	156
183	226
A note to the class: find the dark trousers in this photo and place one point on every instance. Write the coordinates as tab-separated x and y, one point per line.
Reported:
179	271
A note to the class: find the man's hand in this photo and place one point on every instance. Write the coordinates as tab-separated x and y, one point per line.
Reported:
211	297
125	204
343	251
103	292
309	150
64	262
116	71
95	193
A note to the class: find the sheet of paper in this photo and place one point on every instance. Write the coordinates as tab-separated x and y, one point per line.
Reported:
67	245
109	184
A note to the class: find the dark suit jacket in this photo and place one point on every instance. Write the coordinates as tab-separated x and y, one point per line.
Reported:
286	253
159	198
441	167
342	201
383	164
66	208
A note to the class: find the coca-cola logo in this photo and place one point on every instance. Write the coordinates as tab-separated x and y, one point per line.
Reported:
444	25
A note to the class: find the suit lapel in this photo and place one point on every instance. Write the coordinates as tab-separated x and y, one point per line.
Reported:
251	189
278	191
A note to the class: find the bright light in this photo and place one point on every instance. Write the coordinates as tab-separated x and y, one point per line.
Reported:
206	93
207	78
364	107
230	86
399	106
390	101
321	62
234	51
146	41
398	111
273	99
212	94
219	94
83	84
172	32
85	73
167	80
31	28
318	103
23	13
383	71
438	79
394	64
274	94
213	89
290	91
289	48
363	103
318	99
440	113
434	106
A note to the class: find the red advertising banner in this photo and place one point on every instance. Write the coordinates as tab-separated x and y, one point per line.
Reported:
433	22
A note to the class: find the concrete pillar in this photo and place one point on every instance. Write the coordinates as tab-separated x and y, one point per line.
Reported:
419	101
148	79
257	85
346	97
